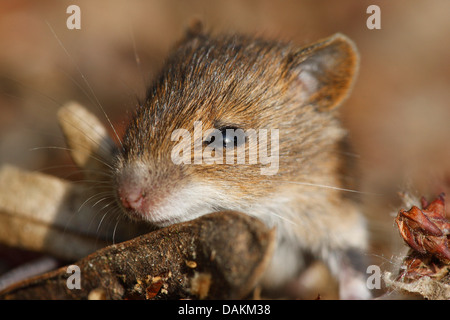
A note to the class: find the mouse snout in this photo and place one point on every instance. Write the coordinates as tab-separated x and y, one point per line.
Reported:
141	193
132	198
138	201
133	187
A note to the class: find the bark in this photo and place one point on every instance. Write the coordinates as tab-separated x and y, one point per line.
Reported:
217	256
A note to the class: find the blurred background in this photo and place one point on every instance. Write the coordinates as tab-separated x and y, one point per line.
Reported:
398	114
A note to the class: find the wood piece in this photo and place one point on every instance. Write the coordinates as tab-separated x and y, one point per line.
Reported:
217	256
43	213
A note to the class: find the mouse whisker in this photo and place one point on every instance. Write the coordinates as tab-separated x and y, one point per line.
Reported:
137	59
330	187
88	136
103	199
61	166
92	197
283	218
106	174
68	149
97	101
349	154
106	181
96	183
100	211
103	218
98	186
111	202
30	89
119	217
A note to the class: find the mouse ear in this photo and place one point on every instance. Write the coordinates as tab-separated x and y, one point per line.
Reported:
194	29
326	70
192	32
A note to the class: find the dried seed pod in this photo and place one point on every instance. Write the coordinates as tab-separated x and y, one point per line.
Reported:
426	230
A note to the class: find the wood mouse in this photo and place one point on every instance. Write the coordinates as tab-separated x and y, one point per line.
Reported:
242	82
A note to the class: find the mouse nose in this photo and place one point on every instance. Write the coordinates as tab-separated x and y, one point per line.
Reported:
132	199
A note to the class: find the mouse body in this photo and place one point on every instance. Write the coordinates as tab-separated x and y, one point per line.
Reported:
286	96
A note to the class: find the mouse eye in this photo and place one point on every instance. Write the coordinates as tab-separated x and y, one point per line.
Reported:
231	137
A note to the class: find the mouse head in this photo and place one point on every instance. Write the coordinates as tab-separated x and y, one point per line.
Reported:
228	120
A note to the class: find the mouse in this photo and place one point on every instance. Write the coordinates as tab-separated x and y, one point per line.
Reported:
237	89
